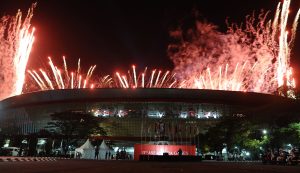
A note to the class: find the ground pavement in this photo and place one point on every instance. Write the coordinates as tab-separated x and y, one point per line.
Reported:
90	166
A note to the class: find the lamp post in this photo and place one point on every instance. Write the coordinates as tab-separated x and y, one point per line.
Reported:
265	132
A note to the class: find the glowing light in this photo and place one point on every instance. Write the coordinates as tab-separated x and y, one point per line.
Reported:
263	47
105	82
125	81
140	79
72	80
120	79
79	81
264	131
61	79
151	79
84	83
134	75
162	81
157	78
143	80
16	40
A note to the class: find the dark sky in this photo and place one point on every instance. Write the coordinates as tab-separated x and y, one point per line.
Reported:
116	34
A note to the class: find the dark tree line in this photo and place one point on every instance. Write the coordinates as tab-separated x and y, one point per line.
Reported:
75	124
247	133
72	126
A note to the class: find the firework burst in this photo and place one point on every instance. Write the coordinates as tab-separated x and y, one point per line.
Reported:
251	57
146	79
57	78
16	39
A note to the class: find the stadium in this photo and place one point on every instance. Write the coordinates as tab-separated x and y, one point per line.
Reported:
132	116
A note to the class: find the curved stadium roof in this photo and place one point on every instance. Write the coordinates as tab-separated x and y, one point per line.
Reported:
145	95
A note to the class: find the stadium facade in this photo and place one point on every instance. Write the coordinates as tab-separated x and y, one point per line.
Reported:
131	115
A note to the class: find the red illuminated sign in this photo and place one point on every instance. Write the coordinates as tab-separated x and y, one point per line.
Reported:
149	149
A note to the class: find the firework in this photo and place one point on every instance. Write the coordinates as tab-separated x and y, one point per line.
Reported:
56	79
142	80
251	57
16	39
105	82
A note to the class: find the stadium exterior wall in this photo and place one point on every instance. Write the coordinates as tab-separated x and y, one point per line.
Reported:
29	113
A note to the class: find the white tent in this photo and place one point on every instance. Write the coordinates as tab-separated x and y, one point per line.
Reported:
103	150
86	151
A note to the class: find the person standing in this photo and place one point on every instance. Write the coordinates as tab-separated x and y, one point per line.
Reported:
106	154
118	155
97	152
109	155
179	152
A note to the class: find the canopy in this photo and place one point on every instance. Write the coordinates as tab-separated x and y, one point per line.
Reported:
105	152
86	150
103	146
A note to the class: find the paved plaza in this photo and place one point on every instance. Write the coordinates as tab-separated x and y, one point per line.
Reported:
90	166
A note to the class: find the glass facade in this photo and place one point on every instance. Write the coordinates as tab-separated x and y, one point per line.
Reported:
129	119
145	116
138	113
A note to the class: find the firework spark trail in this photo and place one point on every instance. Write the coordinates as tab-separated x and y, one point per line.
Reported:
126	82
61	79
72	80
79	81
35	79
210	81
154	80
39	79
221	82
151	79
105	82
134	75
275	22
143	80
282	57
172	84
54	71
84	84
157	78
66	68
89	73
16	40
78	70
163	79
47	79
260	44
120	79
294	29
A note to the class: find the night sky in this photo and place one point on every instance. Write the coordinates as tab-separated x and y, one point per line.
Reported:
116	34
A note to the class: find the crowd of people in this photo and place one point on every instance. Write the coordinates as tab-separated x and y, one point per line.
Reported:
108	154
123	155
281	157
120	155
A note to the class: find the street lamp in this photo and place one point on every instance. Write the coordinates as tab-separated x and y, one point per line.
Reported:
247	153
264	131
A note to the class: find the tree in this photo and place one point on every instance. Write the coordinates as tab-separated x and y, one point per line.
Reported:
237	132
290	134
224	133
74	125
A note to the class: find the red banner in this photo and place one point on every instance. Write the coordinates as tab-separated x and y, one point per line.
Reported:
149	149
